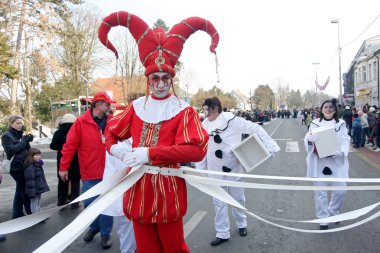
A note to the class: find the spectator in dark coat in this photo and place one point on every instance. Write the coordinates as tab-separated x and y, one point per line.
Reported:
347	117
16	145
59	139
35	179
357	131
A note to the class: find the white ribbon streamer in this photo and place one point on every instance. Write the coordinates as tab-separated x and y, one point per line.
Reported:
113	187
67	235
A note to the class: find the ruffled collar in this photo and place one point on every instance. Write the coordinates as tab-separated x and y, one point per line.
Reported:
219	123
156	110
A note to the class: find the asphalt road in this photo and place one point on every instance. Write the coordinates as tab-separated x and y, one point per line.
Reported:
199	224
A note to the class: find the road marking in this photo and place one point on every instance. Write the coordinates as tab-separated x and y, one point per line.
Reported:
282	139
292	146
276	129
193	222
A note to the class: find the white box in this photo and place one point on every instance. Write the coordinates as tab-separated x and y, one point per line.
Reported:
327	143
251	152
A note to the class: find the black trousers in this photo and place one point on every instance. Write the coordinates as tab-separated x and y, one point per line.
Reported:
63	191
20	200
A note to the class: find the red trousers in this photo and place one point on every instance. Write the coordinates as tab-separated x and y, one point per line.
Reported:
160	237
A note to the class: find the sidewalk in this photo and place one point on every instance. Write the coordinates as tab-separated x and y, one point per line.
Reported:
370	156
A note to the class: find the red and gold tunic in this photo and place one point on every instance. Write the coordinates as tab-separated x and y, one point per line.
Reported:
178	139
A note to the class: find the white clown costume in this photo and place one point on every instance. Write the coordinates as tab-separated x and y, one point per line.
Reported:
337	164
230	129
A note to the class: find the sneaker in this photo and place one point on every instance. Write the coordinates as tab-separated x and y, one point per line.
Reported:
377	150
89	235
106	242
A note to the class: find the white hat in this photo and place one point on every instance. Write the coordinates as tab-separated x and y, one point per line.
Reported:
372	109
67	118
347	107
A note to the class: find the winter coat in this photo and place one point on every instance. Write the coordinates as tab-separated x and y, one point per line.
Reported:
347	117
17	145
371	120
86	138
356	124
364	120
59	139
35	180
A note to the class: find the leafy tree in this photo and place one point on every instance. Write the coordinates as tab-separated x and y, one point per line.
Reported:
39	19
294	99
263	97
6	69
161	23
226	99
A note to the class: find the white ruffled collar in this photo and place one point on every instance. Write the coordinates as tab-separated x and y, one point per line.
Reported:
158	110
219	123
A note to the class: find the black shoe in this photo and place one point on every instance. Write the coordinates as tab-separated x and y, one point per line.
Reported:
89	235
106	242
2	238
243	231
323	227
218	241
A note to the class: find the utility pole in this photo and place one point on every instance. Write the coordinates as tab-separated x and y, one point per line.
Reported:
85	82
336	21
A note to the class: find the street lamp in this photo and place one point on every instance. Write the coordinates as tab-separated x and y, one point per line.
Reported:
336	21
316	88
85	82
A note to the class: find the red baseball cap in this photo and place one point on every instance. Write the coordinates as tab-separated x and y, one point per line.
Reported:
102	96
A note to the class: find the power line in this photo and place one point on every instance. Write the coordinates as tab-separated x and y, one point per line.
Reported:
362	31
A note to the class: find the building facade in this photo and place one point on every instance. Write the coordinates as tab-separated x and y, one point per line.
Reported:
361	82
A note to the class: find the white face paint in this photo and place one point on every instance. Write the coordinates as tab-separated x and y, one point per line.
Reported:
160	83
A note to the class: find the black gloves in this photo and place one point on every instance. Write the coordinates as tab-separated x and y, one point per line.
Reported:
28	138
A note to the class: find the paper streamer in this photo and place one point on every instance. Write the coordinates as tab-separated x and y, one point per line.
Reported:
67	235
113	187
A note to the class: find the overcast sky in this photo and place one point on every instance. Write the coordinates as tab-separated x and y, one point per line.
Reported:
264	42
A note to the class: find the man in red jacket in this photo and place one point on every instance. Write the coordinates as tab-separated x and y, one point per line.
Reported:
165	130
87	137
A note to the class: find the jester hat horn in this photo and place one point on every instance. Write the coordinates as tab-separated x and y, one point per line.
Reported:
158	51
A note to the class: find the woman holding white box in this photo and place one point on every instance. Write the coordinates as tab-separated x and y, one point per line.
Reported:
333	166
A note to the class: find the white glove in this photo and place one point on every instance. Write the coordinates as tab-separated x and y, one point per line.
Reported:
311	137
120	150
138	156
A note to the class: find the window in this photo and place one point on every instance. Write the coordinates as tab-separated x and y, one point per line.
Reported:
356	78
360	75
370	72
375	70
364	79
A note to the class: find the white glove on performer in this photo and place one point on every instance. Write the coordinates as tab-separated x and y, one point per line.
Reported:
311	137
120	150
138	156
